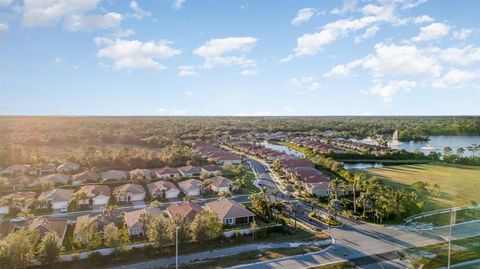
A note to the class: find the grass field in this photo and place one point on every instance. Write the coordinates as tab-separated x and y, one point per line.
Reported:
459	185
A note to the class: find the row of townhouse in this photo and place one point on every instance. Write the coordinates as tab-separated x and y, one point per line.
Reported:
21	181
229	212
42	169
299	171
99	195
214	154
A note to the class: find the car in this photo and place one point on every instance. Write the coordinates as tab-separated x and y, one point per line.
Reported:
17	219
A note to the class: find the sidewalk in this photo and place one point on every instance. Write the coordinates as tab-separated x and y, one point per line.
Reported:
219	253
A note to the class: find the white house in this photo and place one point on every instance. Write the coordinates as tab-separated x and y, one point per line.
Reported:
114	176
96	195
129	193
163	190
211	170
135	224
58	199
191	187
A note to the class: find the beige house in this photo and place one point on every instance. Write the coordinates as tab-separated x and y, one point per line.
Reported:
129	193
57	199
114	176
222	184
163	190
190	187
44	225
230	212
84	177
95	195
166	173
135	223
187	210
68	167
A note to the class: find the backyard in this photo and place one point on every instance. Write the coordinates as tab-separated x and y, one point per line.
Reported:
459	185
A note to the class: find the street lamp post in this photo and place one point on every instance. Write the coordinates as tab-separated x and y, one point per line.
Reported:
453	215
176	247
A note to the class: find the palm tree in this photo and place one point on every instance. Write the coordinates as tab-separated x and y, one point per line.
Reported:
334	184
460	151
398	199
144	218
357	181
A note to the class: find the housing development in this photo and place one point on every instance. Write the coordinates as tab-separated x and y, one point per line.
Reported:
253	134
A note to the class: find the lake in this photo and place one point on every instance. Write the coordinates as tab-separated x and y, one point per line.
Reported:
438	143
284	149
350	166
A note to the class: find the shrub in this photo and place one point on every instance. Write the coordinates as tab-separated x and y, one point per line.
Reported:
95	258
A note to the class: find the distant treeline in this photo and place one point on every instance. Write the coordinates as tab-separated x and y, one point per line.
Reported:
160	132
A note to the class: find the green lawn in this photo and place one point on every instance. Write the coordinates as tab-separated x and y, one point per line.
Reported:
459	185
249	188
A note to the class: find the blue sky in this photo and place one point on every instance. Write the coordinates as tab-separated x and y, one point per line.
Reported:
172	57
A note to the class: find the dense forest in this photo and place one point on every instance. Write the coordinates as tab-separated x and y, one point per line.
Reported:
20	134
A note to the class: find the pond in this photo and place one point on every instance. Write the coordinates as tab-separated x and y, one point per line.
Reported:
284	149
438	143
350	166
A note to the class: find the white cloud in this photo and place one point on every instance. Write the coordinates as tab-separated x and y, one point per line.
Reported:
312	43
134	54
458	56
348	5
218	51
72	14
309	83
255	114
370	32
75	23
186	70
342	71
412	3
178	4
388	90
431	32
398	60
288	109
303	15
3	29
119	33
188	94
456	78
138	12
462	33
423	19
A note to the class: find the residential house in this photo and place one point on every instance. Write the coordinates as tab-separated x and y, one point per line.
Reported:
191	187
84	177
46	168
166	173
98	221
56	179
57	199
222	184
187	210
212	170
135	223
190	171
129	193
15	170
226	158
321	189
44	225
68	167
230	212
114	176
96	195
163	190
141	174
18	200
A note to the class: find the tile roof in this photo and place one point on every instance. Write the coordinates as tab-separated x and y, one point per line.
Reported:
56	195
44	226
190	184
130	188
221	182
226	209
95	190
187	209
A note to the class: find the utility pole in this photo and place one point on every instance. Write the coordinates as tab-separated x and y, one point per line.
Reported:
176	247
453	215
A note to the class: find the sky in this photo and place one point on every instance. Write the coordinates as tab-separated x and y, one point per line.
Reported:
240	58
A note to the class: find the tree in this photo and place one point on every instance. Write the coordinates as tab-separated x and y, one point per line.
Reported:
253	228
114	237
26	214
156	231
183	225
206	226
357	181
144	219
50	248
334	207
17	250
155	204
447	151
460	151
225	194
